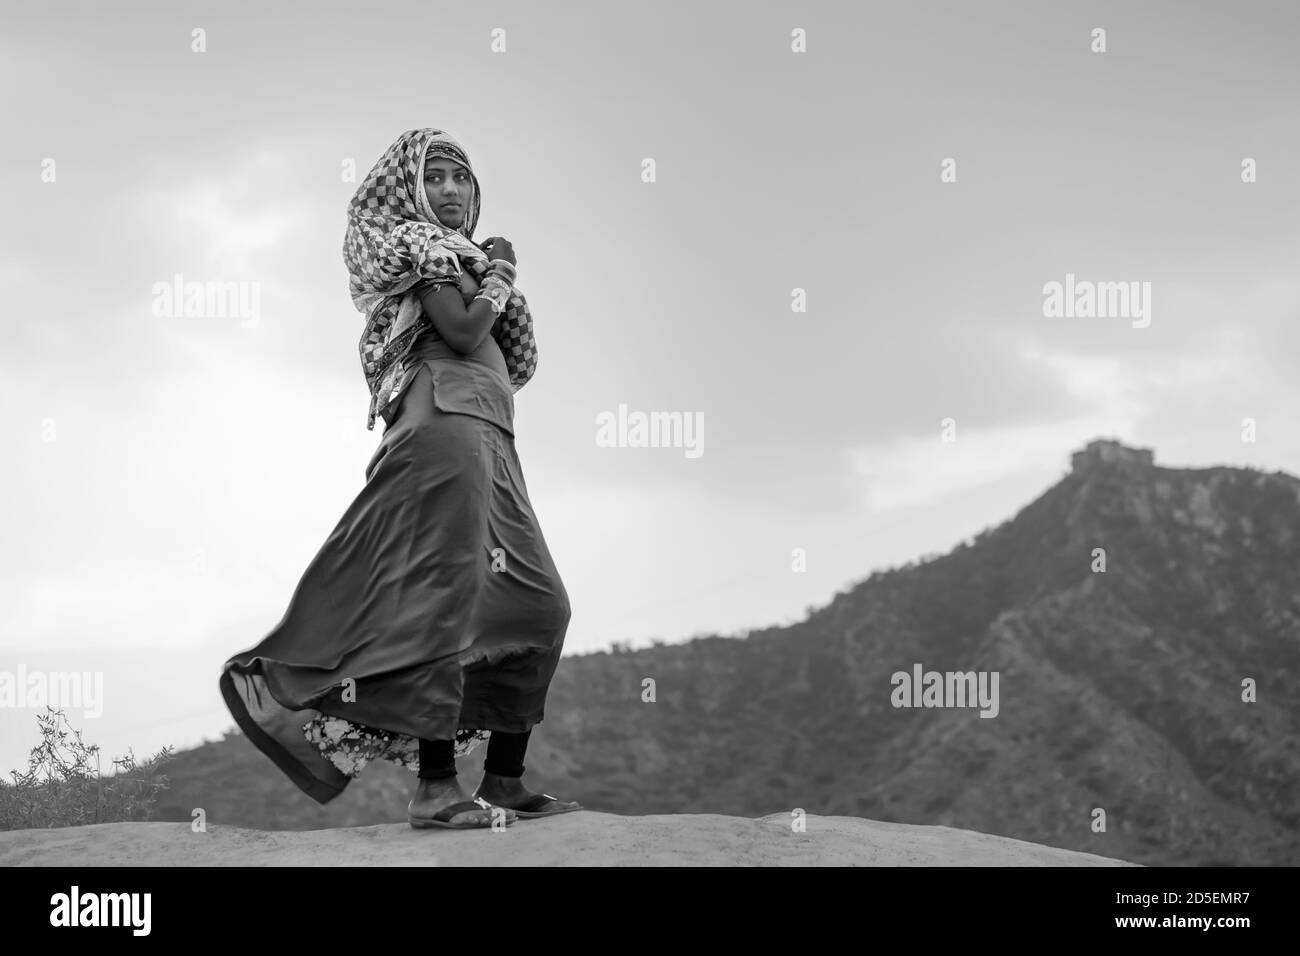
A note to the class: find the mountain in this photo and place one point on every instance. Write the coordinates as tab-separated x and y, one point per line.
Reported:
1119	689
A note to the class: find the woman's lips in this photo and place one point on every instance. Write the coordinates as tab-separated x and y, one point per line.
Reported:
451	205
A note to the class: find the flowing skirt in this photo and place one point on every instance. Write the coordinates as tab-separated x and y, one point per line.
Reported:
433	609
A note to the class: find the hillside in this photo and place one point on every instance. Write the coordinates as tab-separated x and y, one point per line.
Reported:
1119	690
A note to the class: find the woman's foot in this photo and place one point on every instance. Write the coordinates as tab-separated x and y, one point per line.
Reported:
511	792
433	798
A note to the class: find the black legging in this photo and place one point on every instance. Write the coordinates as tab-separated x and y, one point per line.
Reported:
505	756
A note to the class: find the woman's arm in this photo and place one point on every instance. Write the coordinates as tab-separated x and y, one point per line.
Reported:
468	287
462	325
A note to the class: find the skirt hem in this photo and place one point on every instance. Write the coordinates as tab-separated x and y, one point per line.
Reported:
315	788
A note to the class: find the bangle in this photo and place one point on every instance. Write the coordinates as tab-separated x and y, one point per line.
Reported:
496	290
504	269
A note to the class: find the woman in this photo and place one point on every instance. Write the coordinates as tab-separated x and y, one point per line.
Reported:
433	616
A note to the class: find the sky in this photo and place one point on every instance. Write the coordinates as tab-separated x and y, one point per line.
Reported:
797	270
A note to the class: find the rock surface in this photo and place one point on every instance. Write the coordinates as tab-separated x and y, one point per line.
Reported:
584	838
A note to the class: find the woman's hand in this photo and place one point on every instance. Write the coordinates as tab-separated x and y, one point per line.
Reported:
498	247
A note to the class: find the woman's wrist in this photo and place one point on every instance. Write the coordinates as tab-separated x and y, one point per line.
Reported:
504	269
496	290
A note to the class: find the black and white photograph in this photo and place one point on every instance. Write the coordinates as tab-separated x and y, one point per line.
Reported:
718	434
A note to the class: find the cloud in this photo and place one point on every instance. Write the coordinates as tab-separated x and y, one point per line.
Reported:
1119	396
911	471
123	602
13	272
235	215
1097	381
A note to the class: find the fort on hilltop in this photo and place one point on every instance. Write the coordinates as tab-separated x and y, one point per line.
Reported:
1108	451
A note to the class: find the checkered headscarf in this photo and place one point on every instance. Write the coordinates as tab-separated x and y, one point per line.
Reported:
393	242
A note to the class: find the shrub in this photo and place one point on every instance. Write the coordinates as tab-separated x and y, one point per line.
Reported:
63	786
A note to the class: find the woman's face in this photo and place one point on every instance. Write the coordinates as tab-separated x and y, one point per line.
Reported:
448	182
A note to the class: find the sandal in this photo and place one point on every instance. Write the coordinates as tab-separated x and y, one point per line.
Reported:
446	816
545	805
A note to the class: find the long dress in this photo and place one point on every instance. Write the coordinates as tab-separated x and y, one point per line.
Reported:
433	610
